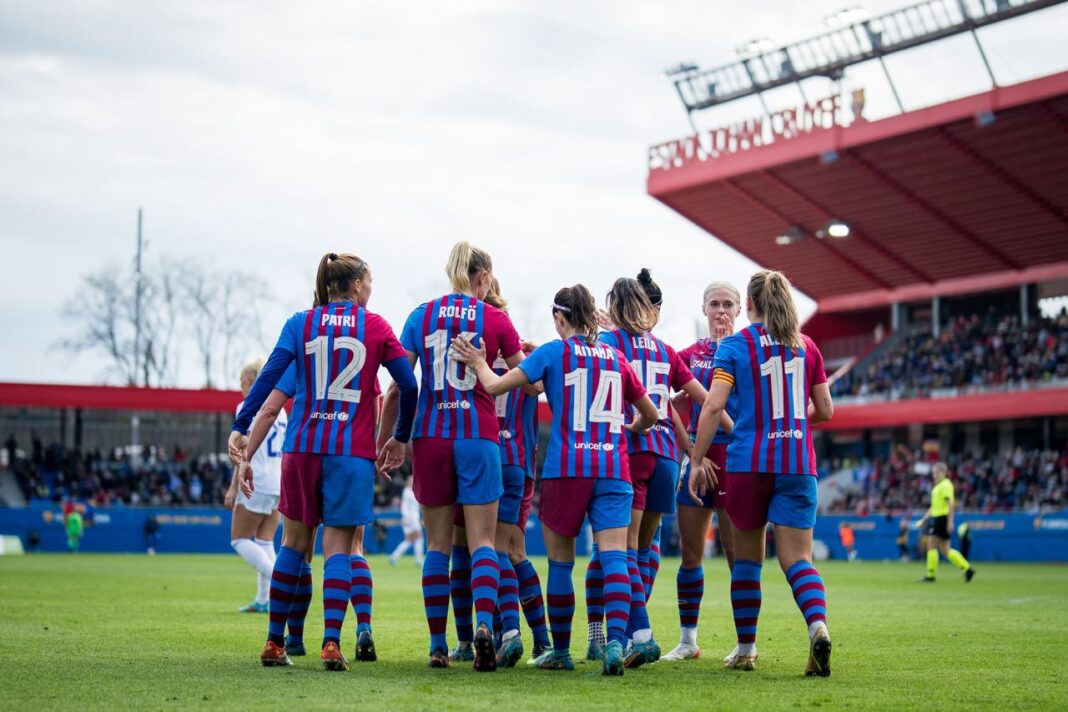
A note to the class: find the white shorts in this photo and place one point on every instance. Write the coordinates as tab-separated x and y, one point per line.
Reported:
409	528
259	503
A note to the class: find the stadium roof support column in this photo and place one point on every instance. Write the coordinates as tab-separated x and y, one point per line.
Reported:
936	317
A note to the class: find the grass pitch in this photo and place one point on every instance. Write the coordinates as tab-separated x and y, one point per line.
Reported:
160	633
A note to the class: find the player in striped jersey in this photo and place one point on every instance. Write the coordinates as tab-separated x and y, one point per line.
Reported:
586	469
455	451
329	474
255	519
653	456
721	305
771	466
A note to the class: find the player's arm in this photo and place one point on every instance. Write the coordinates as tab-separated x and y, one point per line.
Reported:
821	407
681	434
404	401
475	358
702	476
261	426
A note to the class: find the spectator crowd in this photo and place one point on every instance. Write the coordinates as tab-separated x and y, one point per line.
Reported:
1031	481
970	353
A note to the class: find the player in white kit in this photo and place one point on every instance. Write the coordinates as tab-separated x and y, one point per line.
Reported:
255	518
411	524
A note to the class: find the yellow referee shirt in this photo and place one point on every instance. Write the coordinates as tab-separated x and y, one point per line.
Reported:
941	498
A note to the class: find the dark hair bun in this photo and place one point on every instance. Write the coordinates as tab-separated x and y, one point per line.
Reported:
645	277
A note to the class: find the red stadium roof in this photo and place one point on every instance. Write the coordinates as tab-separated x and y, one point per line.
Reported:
938	201
47	395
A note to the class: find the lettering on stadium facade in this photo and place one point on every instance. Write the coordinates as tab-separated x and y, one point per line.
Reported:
748	134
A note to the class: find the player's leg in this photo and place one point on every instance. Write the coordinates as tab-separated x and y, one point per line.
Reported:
595	638
690	581
479	489
530	596
302	597
609	519
643	648
460	590
748	498
434	482
362	598
416	538
957	559
510	649
400	550
793	511
243	529
265	540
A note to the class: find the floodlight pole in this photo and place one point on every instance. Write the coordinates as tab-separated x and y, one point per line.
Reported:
135	419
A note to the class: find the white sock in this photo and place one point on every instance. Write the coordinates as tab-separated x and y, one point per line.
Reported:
507	635
643	636
419	551
745	649
596	631
688	636
263	588
815	626
268	548
399	551
254	555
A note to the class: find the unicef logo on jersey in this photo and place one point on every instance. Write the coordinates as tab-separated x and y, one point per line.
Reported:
505	434
796	434
454	405
603	447
343	416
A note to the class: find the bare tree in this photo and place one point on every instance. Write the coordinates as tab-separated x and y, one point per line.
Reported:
102	319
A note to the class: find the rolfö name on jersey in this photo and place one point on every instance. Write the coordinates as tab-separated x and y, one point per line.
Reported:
452	311
344	320
604	352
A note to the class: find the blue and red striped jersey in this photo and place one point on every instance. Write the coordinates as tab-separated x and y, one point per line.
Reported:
337	349
528	416
773	384
699	356
587	388
510	426
660	371
452	403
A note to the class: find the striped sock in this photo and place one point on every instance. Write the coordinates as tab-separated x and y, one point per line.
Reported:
337	586
643	571
460	593
301	602
436	598
809	593
639	617
654	561
485	584
745	599
561	595
690	584
531	599
616	594
363	593
595	589
284	581
508	594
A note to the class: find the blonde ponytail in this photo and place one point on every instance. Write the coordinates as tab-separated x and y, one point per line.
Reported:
629	306
770	293
466	261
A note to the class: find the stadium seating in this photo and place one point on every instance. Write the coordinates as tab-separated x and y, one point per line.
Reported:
971	354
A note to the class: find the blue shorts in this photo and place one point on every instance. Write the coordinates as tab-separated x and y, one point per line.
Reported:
348	491
514	480
754	499
463	471
655	479
567	501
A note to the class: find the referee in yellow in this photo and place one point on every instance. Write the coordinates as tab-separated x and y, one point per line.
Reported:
941	516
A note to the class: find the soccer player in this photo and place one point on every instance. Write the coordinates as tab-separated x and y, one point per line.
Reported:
721	304
586	470
255	519
455	455
329	473
411	525
771	466
941	516
653	456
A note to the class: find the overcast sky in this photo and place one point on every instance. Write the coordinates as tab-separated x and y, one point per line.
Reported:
263	134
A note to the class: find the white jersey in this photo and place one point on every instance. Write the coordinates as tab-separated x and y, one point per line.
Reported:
409	510
267	462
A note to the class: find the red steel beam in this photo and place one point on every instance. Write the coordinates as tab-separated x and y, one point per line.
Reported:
855	232
934	212
779	215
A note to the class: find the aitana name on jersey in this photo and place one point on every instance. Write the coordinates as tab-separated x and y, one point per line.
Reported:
348	320
780	434
605	352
